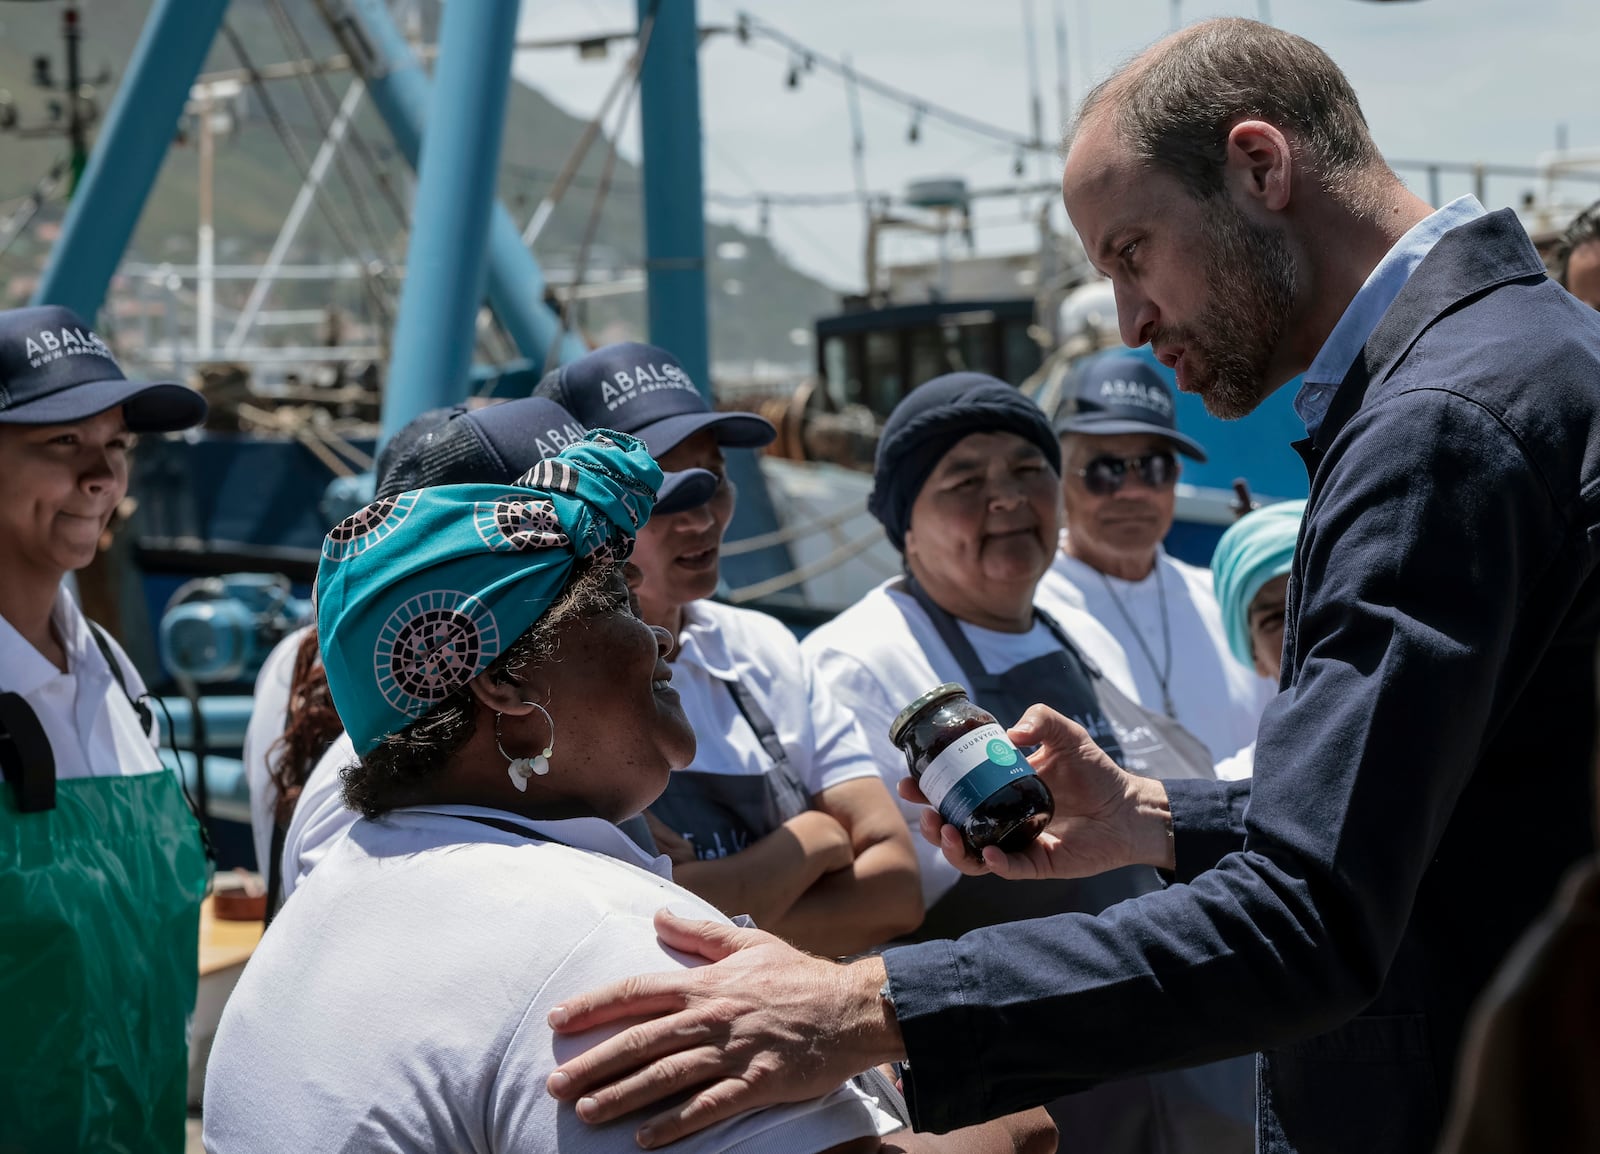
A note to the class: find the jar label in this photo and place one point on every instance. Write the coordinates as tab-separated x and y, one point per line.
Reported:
969	769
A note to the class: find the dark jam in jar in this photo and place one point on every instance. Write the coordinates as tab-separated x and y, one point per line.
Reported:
970	771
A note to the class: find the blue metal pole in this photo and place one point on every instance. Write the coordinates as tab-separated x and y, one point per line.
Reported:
127	156
674	187
675	248
446	260
401	91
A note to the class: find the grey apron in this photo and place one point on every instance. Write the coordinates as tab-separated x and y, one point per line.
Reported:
1206	1110
1062	681
723	813
1153	744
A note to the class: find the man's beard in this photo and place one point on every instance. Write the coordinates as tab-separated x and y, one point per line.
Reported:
1251	279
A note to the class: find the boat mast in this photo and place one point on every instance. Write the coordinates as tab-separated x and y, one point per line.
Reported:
675	247
447	256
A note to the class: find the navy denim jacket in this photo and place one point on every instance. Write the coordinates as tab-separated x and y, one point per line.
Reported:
1421	783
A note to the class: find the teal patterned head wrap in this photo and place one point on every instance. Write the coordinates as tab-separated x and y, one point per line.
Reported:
1256	548
418	593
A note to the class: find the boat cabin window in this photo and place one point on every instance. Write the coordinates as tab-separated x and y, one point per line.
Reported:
871	356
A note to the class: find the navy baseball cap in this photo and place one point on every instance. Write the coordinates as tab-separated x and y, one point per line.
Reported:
497	443
643	390
54	370
1124	393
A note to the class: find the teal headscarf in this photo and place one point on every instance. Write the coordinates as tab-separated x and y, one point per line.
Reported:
1256	548
418	593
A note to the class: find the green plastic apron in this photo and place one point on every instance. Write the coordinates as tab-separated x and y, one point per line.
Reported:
99	960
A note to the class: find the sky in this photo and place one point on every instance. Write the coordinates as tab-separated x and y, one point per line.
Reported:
1474	81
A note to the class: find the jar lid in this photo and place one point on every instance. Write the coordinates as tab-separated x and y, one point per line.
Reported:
903	719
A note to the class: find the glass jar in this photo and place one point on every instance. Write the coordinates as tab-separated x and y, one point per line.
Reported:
970	772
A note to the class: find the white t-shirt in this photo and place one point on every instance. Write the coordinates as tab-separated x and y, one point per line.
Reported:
91	725
1238	767
1215	698
400	1001
320	817
884	652
721	643
268	719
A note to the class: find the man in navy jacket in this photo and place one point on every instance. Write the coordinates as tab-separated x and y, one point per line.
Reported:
1421	783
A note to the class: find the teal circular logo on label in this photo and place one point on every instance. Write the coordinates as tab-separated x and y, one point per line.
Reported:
1001	753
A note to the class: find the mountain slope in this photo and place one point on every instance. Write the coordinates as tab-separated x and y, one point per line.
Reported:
756	300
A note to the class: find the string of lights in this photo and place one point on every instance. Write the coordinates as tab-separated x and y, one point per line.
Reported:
805	59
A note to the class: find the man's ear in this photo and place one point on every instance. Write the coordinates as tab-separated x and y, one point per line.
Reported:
1259	163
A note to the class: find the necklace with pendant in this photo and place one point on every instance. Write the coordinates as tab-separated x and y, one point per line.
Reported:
1163	672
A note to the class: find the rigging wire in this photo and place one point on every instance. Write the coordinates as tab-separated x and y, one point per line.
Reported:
291	145
378	170
858	142
1063	73
14	225
1030	35
322	100
569	307
756	198
323	116
569	170
817	243
800	575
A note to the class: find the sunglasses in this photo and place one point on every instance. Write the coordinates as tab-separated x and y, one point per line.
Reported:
1104	476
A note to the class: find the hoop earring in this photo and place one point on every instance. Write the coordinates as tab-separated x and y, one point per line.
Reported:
519	769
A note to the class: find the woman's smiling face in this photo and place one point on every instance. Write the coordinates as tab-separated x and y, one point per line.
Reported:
59	486
985	523
620	728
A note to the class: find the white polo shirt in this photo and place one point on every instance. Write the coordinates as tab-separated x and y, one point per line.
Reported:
884	652
92	727
1215	698
721	643
400	1001
268	719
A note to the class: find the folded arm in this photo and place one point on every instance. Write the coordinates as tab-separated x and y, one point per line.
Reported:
768	877
877	896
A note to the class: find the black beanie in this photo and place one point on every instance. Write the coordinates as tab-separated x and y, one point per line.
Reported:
927	424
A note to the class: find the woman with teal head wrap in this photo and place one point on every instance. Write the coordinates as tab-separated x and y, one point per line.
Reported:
509	707
1252	563
1250	572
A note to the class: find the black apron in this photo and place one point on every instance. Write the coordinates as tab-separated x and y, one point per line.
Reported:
1153	744
723	813
1207	1110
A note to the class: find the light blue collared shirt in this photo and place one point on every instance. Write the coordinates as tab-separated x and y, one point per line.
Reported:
1355	327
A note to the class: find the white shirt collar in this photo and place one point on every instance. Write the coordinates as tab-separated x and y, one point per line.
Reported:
591	834
24	669
703	642
1161	559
